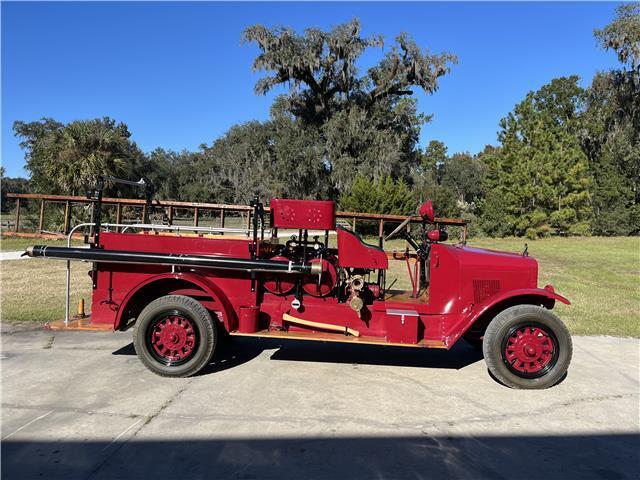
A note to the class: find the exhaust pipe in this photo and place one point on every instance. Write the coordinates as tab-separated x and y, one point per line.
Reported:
172	259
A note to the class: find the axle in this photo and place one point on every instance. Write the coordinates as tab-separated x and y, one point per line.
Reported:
174	259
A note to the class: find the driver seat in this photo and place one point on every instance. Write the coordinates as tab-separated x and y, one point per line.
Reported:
353	252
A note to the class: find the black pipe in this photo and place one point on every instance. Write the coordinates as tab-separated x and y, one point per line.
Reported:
97	211
97	216
254	248
178	259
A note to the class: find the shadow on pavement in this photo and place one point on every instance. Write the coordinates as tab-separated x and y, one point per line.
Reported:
460	356
602	457
236	351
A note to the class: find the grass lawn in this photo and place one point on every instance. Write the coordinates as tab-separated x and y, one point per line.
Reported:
34	289
14	244
601	277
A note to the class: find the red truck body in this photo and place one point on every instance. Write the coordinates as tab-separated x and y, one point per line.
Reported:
179	292
465	283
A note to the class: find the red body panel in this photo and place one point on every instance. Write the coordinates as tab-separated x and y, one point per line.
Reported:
303	214
464	283
354	253
117	283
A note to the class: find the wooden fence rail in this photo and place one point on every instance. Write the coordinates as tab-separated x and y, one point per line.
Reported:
197	207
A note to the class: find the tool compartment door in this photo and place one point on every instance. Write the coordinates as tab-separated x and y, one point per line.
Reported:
402	325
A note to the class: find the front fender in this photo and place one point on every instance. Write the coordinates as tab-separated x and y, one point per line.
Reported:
545	296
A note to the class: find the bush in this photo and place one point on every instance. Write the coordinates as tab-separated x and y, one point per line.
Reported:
383	195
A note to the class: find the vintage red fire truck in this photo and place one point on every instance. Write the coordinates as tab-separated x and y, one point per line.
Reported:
180	294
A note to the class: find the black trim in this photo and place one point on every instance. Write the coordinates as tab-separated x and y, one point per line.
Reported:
154	258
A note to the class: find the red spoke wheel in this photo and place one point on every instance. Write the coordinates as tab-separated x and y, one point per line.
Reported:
527	346
530	350
175	336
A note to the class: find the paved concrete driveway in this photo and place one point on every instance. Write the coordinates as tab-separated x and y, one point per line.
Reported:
13	256
80	405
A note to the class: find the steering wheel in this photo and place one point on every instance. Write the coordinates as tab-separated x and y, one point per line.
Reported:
398	229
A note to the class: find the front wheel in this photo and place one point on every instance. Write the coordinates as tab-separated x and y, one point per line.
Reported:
175	336
528	347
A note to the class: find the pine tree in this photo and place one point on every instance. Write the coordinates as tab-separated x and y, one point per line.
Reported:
538	182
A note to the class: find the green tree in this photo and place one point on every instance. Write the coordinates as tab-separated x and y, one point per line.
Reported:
610	129
434	157
623	35
454	183
427	181
11	185
381	195
538	182
464	173
611	140
68	158
170	172
298	166
363	123
236	166
376	142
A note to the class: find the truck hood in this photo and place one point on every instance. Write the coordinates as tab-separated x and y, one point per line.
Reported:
484	263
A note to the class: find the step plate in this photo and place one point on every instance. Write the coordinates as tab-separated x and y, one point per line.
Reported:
79	324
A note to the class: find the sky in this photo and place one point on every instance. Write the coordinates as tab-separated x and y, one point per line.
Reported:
179	76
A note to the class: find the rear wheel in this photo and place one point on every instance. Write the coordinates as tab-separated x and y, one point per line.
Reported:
175	336
527	347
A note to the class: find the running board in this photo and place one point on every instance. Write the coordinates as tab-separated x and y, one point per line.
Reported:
323	326
339	338
79	324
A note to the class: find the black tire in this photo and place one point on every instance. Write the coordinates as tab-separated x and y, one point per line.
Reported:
504	347
195	336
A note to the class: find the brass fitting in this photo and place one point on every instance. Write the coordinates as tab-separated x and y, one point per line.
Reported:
356	303
316	268
81	313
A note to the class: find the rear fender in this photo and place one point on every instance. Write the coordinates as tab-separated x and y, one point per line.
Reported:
198	281
495	304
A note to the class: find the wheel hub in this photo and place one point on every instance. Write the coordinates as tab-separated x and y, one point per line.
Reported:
173	338
529	350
